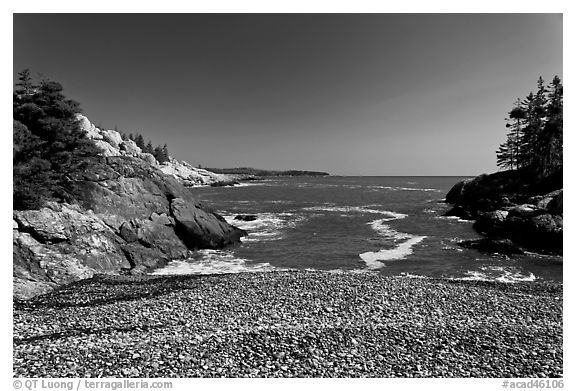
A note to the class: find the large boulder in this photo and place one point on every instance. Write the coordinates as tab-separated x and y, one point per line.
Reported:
201	229
112	137
492	223
107	149
555	206
92	132
156	234
148	158
130	148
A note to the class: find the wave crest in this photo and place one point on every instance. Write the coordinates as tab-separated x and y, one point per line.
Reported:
214	262
373	258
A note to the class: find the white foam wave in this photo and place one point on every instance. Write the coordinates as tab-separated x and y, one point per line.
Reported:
410	275
246	184
496	273
266	227
356	209
386	231
454	218
347	271
396	188
214	262
373	258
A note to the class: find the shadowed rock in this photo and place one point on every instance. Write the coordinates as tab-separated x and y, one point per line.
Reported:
246	217
515	205
200	229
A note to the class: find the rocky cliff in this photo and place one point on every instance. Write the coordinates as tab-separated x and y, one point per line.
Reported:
128	214
112	144
515	210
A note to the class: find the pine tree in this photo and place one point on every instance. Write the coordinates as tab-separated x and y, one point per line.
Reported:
508	155
535	139
157	152
140	142
529	131
25	84
165	153
517	114
552	138
161	154
149	147
48	146
505	155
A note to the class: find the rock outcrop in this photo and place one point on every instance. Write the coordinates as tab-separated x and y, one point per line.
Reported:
192	176
512	206
112	144
126	216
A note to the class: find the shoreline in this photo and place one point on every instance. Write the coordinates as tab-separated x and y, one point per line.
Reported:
290	324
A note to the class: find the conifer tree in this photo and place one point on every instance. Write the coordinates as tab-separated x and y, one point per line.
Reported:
48	146
149	147
157	152
25	84
165	153
161	154
140	142
535	139
552	138
508	155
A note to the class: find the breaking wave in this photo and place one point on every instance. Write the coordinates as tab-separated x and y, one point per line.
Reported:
373	259
397	188
356	209
496	273
214	262
266	226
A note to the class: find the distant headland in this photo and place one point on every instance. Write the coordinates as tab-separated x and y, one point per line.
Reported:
264	173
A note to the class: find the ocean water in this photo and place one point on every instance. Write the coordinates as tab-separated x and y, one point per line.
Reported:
389	225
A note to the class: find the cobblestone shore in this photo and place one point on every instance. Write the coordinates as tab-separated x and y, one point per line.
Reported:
290	324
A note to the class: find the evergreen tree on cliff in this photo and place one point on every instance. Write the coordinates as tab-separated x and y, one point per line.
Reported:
48	147
25	86
161	154
508	155
535	139
149	147
554	127
140	142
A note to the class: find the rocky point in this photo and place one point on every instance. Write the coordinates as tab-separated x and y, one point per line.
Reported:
129	214
513	209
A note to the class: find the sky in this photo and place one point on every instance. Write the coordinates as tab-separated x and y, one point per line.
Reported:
349	94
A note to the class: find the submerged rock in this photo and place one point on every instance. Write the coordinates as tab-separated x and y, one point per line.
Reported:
493	246
458	211
246	217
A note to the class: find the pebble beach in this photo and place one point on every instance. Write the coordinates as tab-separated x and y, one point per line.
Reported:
290	324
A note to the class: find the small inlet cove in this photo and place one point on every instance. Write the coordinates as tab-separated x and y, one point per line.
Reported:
388	225
195	215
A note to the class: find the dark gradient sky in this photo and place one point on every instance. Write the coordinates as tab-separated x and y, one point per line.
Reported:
351	94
